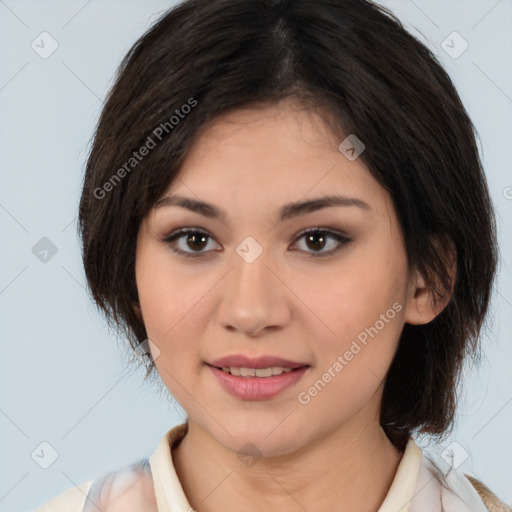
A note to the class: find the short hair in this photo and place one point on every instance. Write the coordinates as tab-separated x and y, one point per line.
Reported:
353	61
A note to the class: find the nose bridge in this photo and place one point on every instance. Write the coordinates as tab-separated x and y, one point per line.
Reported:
252	278
253	298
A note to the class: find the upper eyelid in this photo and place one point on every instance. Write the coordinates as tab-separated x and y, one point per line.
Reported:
183	231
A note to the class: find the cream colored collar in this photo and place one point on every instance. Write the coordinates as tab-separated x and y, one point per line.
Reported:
171	497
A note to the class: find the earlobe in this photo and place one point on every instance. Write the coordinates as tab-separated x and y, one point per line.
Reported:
419	308
422	305
137	310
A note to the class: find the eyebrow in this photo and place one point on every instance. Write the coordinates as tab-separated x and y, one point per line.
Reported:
286	212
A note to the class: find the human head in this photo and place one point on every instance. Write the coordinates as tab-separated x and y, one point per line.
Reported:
220	56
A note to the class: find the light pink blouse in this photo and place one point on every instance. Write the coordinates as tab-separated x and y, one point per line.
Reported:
423	483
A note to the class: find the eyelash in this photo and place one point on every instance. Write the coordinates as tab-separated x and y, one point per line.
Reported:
176	235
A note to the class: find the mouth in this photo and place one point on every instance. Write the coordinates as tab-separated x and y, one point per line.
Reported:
255	384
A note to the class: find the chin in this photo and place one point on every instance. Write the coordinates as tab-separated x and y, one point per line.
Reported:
270	438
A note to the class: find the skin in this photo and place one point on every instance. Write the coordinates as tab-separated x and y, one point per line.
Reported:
328	454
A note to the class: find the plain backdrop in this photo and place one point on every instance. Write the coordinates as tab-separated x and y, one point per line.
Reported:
62	379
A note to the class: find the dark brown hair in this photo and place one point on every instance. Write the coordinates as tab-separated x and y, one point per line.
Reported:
354	60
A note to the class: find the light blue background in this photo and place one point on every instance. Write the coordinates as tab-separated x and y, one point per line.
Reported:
62	379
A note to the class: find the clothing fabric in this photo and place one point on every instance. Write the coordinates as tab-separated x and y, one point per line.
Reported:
424	482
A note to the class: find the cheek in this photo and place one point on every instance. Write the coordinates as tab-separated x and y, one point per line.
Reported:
171	301
354	354
352	295
161	287
360	306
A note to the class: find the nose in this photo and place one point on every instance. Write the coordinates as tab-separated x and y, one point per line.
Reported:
254	298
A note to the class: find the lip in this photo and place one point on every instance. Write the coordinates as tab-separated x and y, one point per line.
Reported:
257	388
243	361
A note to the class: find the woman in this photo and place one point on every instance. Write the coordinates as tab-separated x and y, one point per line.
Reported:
285	210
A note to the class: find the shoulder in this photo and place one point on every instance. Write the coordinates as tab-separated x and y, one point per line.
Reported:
441	481
71	500
492	502
124	490
129	489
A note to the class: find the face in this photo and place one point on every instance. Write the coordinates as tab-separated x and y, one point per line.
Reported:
323	286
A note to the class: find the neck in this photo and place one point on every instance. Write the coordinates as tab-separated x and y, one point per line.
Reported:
351	468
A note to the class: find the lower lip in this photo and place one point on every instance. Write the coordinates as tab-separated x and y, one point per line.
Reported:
257	388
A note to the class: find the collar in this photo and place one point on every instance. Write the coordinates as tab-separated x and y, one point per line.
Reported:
170	496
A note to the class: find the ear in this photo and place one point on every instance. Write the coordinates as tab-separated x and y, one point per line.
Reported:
137	310
421	307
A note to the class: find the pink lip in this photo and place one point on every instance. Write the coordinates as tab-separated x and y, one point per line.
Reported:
257	388
242	361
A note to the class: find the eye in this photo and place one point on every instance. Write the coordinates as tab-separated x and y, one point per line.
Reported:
197	240
193	239
317	239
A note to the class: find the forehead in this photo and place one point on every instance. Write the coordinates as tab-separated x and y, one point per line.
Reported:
270	156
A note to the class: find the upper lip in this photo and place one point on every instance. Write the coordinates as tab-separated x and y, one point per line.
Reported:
243	361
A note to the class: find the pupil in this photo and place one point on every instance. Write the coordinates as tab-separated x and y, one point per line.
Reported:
313	236
192	237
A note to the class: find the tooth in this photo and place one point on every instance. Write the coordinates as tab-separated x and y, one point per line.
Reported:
259	372
264	372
